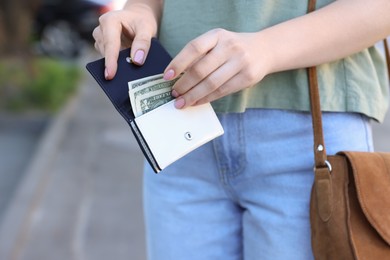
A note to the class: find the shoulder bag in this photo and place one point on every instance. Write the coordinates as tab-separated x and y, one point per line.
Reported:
350	199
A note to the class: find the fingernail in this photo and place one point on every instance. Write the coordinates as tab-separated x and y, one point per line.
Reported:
174	93
139	57
106	74
179	103
169	74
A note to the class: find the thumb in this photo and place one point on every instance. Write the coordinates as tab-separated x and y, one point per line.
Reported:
140	48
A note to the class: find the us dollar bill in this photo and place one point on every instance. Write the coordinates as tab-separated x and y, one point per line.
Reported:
149	93
139	84
147	103
135	84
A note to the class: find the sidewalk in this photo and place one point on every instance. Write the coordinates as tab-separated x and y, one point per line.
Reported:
81	196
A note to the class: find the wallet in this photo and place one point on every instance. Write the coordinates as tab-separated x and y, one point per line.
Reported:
164	134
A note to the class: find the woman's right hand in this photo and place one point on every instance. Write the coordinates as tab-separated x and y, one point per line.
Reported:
134	26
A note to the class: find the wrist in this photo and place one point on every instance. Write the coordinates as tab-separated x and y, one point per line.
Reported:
264	53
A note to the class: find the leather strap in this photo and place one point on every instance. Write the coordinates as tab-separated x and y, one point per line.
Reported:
311	6
315	106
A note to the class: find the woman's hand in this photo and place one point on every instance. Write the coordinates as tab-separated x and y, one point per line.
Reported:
220	62
133	26
216	64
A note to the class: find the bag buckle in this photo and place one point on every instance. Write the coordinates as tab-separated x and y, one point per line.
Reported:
328	165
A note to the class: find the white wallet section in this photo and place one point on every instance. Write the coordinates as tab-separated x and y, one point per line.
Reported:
172	133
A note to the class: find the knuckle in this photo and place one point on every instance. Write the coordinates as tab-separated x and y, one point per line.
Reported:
212	83
219	31
96	33
108	17
197	72
189	99
195	47
250	76
203	100
142	41
145	28
221	91
235	46
103	18
239	49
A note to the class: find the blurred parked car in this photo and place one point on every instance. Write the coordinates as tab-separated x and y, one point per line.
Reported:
63	26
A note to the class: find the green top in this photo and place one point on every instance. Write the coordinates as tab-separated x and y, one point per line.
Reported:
357	83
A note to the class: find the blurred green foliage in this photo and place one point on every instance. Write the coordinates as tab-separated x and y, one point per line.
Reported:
42	84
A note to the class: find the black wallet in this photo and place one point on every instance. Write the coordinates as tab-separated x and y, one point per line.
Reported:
164	134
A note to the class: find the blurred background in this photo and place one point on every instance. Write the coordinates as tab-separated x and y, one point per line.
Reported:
70	169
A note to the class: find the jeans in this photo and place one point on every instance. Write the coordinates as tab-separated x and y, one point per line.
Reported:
244	195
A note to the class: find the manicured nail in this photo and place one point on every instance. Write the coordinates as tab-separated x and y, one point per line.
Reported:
169	74
174	93
179	103
106	74
139	57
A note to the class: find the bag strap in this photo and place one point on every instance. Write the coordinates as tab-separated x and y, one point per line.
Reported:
315	107
320	157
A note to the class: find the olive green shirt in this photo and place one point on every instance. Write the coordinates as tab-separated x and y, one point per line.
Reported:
357	83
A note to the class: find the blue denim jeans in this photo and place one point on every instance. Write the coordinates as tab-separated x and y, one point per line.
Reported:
246	194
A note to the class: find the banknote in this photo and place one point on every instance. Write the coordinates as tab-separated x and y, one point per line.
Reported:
155	99
152	88
140	82
149	93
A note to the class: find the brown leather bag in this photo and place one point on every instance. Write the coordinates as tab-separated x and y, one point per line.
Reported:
350	199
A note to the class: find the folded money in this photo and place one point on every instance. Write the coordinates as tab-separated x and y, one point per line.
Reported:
149	93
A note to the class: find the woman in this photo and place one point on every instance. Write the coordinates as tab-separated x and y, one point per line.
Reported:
246	194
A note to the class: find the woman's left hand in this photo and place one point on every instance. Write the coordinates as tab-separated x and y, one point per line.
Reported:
216	64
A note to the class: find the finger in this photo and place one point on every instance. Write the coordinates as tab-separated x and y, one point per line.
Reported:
110	67
96	34
140	47
96	45
111	47
126	41
200	70
190	53
233	85
110	42
209	85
